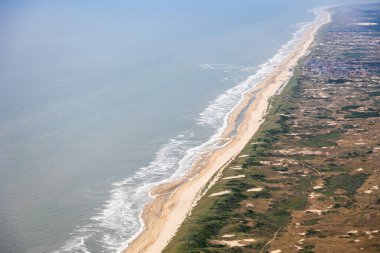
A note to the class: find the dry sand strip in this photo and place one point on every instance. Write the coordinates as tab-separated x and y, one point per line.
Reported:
234	243
259	189
219	193
233	177
165	214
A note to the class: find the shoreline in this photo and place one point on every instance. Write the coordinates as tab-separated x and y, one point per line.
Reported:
175	200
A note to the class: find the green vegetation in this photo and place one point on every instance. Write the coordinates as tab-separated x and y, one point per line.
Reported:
304	157
352	154
350	107
251	161
295	202
342	201
323	116
307	249
314	233
323	140
283	169
208	224
348	126
259	177
367	114
348	182
374	94
311	222
338	81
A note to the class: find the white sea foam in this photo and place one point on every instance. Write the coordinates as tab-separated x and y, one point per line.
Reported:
119	220
120	217
75	245
220	66
226	67
216	114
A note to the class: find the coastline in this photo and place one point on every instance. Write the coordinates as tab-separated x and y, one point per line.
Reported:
174	200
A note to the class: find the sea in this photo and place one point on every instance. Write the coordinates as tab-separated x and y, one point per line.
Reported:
102	100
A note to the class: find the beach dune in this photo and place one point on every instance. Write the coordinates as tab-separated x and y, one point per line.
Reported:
174	201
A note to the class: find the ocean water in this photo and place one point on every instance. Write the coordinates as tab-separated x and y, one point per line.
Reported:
101	100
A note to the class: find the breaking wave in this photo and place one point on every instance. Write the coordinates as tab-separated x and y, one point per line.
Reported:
119	220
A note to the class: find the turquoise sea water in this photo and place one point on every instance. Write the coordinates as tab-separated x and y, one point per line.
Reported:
100	100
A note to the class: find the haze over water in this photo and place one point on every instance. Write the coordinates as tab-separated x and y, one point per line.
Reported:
99	100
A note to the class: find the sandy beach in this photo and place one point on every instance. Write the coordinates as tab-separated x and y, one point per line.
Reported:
173	201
